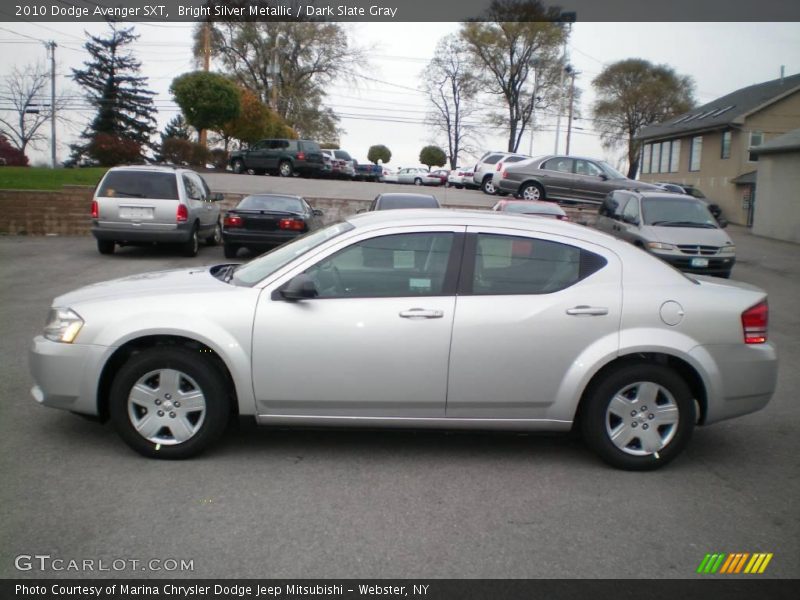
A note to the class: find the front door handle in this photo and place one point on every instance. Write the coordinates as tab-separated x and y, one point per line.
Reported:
584	310
421	313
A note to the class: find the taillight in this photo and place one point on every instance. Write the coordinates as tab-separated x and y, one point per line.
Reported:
504	174
754	323
292	224
95	209
563	217
301	156
183	213
232	221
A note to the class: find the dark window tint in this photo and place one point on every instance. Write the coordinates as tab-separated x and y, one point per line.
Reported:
514	159
394	202
521	265
490	160
342	155
412	264
631	212
139	184
277	203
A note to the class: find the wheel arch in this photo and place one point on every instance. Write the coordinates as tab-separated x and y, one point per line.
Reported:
136	345
684	369
528	182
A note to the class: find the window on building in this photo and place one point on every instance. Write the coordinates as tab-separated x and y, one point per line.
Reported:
756	139
695	151
675	157
664	166
726	144
646	153
656	160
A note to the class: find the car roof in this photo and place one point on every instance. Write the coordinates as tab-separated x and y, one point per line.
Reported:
406	195
447	216
155	168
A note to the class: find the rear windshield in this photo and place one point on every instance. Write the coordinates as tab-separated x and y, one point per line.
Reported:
139	184
276	203
309	147
342	154
406	202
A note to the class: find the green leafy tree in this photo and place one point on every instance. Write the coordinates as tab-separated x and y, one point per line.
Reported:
290	65
432	156
632	94
208	100
379	153
517	51
125	109
254	122
450	83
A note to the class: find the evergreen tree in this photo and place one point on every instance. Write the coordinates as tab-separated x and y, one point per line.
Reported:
125	109
177	128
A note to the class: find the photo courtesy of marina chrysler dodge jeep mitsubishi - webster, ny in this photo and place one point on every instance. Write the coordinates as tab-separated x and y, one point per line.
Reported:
397	319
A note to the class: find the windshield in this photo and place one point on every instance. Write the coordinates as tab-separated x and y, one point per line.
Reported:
677	212
268	263
611	171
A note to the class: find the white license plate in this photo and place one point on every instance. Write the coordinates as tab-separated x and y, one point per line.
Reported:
136	212
699	262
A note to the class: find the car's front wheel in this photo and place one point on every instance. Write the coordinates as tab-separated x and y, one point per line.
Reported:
638	416
169	402
417	181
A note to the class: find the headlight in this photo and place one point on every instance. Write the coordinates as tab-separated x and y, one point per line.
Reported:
62	325
660	246
728	249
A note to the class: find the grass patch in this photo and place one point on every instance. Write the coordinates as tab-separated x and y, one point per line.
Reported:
42	178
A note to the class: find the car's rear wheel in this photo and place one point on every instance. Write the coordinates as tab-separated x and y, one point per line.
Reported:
531	191
230	250
238	167
488	187
638	417
105	247
285	169
215	238
192	245
169	402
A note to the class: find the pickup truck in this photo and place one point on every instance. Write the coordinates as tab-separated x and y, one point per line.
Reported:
368	172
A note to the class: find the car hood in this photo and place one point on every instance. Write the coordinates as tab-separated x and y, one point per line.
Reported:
196	279
686	235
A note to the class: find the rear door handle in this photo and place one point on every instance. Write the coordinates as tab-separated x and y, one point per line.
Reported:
421	313
584	310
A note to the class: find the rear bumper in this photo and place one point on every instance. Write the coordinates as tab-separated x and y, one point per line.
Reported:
253	239
742	379
169	234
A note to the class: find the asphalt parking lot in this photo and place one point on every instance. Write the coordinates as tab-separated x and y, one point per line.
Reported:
289	503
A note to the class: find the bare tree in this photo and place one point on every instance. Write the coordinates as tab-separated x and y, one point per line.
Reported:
26	94
451	87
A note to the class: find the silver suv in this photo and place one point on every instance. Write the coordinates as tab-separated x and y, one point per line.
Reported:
487	164
154	204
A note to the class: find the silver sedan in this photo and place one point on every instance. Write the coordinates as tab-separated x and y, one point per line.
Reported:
421	319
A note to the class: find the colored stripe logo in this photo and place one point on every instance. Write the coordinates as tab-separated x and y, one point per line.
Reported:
735	563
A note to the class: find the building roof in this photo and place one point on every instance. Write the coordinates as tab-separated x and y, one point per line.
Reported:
725	111
788	142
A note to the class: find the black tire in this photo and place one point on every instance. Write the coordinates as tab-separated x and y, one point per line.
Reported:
487	187
203	426
531	191
612	404
237	166
105	247
192	245
230	250
215	238
285	169
417	181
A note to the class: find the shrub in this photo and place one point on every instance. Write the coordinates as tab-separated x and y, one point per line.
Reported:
11	156
110	150
219	158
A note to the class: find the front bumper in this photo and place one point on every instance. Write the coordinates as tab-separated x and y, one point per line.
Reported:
66	375
742	377
719	266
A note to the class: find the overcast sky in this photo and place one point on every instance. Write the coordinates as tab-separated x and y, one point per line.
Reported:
388	108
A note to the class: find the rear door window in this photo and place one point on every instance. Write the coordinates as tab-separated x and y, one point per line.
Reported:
139	184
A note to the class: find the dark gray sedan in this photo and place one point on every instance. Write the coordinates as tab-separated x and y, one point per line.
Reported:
555	177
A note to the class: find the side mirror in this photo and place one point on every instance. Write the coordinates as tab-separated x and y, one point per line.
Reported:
299	287
317	212
603	177
217	197
723	222
361	210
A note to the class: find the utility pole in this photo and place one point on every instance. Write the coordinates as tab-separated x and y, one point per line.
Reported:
52	47
572	73
569	19
203	134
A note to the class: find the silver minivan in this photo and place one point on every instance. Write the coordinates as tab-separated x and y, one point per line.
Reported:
154	204
676	228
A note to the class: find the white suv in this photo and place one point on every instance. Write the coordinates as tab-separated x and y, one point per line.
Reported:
154	204
484	170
